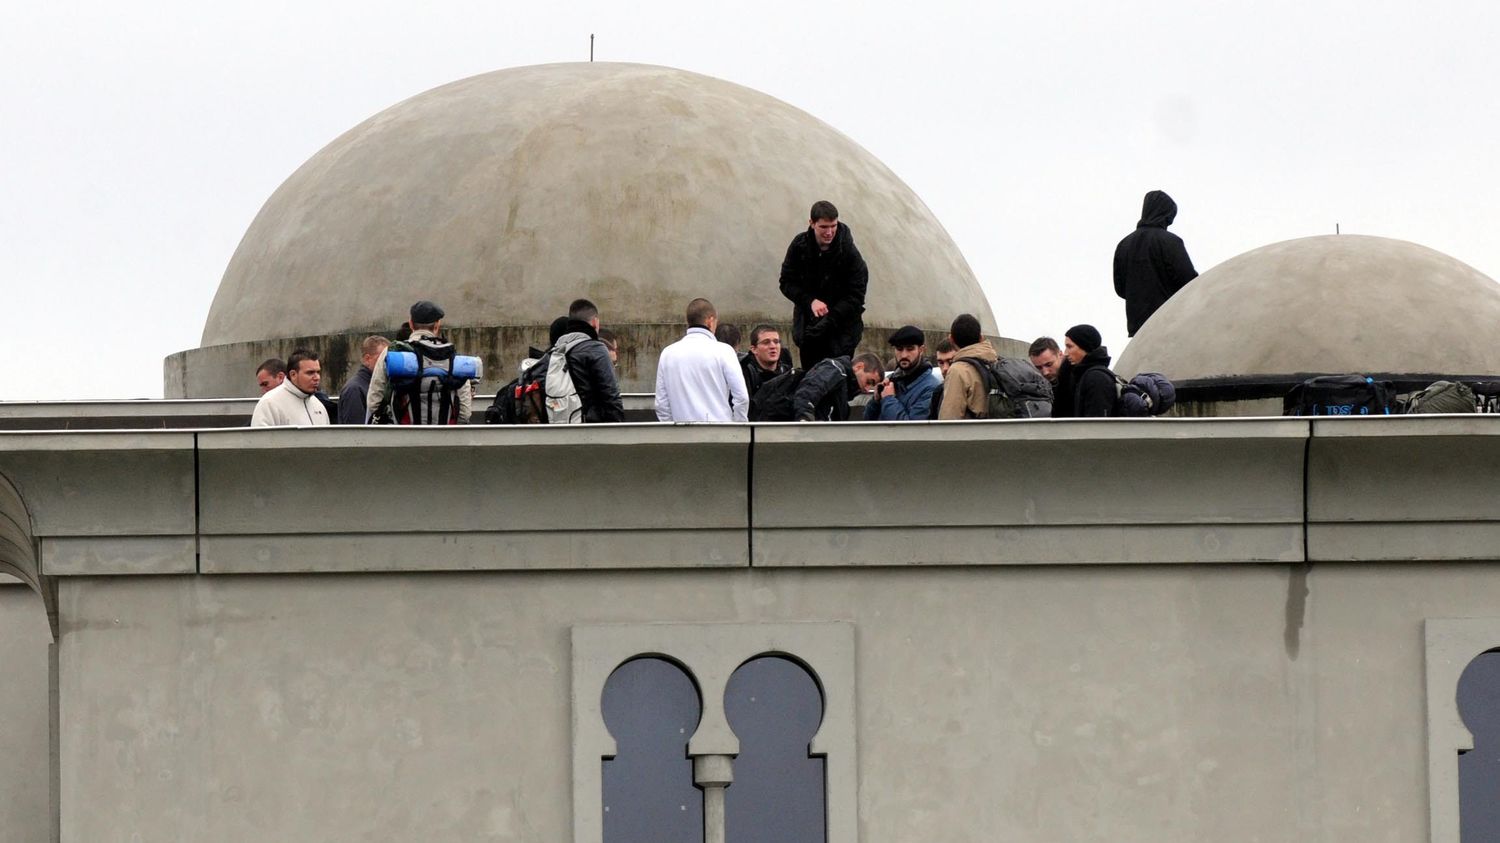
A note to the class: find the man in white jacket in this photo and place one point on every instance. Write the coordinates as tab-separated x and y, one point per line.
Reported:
698	378
293	402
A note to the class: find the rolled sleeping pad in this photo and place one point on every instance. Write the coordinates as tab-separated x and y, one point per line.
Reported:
403	364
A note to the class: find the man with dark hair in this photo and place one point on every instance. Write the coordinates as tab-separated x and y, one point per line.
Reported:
965	392
766	358
907	394
943	353
294	402
352	398
698	378
426	400
584	390
270	374
1046	357
729	335
1085	386
612	343
825	278
1151	263
824	392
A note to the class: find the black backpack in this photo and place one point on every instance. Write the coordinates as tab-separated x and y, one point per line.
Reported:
522	401
1146	394
773	401
1016	390
1339	395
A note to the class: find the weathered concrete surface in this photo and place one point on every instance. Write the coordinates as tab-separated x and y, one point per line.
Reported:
1151	703
25	747
1331	304
507	195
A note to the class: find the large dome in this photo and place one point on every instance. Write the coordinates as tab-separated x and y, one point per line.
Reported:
1342	304
507	195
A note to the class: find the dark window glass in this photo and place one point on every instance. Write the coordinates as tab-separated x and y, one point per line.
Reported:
775	707
651	708
1479	768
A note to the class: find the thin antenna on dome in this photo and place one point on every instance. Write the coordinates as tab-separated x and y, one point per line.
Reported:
591	46
1335	225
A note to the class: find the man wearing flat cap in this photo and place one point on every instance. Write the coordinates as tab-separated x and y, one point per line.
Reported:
433	402
907	394
1085	385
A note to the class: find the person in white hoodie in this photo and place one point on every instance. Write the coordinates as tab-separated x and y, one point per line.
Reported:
294	402
698	378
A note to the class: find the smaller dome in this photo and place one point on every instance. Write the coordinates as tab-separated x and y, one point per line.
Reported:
1335	304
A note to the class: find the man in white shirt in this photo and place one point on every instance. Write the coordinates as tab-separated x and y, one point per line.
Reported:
698	378
294	400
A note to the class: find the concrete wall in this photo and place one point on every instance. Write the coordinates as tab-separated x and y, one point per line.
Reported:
25	744
1172	630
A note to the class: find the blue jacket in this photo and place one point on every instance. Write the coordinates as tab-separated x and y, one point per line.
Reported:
913	398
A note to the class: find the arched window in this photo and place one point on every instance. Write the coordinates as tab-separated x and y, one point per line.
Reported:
775	708
651	709
1479	768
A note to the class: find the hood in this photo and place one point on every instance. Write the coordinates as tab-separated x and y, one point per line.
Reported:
1097	357
1157	211
578	326
916	372
981	350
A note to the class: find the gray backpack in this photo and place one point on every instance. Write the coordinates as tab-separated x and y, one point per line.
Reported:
1015	389
1443	397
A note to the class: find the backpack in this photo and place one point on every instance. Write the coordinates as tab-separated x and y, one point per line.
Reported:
559	395
1146	394
773	401
1338	395
1015	389
1443	397
424	379
520	401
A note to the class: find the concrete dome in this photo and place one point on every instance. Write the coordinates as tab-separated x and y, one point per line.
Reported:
1329	304
507	195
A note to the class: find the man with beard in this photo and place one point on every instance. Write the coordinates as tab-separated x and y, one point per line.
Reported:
825	278
907	394
1085	385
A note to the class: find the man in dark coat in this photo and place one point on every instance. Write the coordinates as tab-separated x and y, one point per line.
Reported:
1085	385
825	277
766	358
824	392
351	409
1151	263
589	364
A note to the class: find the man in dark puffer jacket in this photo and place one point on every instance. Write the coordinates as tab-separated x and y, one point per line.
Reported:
588	363
1085	385
825	278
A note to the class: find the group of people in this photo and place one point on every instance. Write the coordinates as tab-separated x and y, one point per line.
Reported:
704	376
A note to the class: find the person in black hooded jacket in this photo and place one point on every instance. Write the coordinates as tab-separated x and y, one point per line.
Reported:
825	278
1151	263
1085	385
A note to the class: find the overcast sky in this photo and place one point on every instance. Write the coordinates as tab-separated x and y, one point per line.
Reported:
138	140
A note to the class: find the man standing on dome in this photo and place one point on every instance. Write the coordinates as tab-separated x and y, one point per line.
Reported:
1151	263
825	278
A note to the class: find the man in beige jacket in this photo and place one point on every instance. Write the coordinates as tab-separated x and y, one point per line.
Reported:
964	392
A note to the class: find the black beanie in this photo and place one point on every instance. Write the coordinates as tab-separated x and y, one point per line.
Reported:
1085	337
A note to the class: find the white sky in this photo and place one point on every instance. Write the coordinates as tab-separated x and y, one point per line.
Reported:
138	140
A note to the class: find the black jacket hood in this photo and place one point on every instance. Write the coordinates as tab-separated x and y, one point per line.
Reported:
1157	211
841	237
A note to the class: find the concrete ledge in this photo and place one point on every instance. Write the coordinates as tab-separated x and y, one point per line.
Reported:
475	551
113	555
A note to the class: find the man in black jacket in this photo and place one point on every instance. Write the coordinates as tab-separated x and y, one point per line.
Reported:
825	391
1085	385
766	358
825	278
588	363
1151	263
